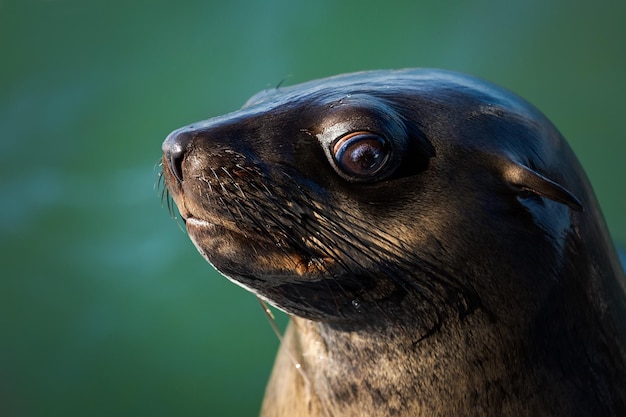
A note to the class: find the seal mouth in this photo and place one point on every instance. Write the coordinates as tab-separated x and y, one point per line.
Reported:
195	225
195	222
220	236
215	225
218	228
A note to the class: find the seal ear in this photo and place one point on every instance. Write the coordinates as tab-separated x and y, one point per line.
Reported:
525	178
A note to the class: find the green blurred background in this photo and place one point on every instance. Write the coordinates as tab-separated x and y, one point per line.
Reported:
105	306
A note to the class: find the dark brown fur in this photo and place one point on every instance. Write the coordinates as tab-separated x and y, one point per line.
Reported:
471	275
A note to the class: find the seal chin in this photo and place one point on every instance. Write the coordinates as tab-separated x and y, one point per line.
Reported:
212	229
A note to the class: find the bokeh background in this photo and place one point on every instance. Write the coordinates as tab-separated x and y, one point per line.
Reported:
105	306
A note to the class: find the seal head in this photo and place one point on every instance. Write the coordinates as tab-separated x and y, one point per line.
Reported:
434	215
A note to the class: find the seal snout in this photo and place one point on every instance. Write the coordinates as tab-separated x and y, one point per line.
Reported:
174	148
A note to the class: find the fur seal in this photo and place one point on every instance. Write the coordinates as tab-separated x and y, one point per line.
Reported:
433	237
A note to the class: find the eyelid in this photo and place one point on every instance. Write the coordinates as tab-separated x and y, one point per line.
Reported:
341	140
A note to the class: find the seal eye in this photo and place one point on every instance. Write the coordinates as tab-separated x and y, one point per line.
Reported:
361	154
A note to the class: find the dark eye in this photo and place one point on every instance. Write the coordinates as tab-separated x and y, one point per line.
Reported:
361	154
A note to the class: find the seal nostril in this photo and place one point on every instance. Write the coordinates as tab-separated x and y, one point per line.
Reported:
174	148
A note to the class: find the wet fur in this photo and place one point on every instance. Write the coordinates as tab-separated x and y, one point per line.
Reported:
477	278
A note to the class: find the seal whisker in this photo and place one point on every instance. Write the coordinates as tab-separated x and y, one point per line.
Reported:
287	232
159	184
